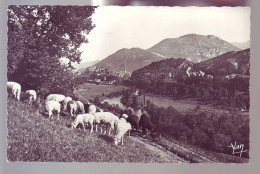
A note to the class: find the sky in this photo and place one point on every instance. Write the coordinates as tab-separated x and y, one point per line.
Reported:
143	27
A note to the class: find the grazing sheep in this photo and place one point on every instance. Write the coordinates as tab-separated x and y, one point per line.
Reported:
52	106
92	109
31	95
145	123
121	127
83	118
72	107
14	89
106	118
55	97
65	102
80	107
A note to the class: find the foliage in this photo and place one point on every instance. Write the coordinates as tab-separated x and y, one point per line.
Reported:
38	38
212	131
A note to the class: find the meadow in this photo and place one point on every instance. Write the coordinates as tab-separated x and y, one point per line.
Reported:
90	90
33	137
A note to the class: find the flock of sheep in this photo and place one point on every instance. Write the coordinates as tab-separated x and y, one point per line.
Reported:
55	103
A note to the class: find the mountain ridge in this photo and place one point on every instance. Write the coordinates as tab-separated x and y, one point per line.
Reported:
194	47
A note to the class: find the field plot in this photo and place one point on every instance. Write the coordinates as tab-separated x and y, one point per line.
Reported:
90	91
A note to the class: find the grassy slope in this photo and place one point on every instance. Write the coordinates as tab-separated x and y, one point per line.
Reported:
33	137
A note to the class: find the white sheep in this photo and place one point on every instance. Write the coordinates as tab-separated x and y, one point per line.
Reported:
14	88
55	97
92	109
31	95
72	107
82	119
106	118
80	107
52	106
121	127
65	102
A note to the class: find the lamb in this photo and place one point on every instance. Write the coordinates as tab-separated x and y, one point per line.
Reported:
52	106
65	102
121	127
72	107
80	107
14	89
31	95
106	118
92	109
83	118
55	97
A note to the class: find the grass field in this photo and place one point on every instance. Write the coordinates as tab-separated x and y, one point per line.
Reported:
90	91
33	137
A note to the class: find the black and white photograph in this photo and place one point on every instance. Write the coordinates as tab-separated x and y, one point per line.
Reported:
128	84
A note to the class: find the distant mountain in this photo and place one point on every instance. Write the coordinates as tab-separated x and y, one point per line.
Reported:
242	45
193	47
131	59
82	66
234	62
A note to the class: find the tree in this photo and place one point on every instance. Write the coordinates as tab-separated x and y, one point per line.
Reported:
38	38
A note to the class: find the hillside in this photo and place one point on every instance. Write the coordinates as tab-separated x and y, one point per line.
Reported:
193	47
234	62
163	67
33	137
82	66
131	59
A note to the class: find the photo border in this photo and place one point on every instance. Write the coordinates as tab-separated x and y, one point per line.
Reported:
62	167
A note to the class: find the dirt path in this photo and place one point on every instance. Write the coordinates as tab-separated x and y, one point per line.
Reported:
174	152
168	156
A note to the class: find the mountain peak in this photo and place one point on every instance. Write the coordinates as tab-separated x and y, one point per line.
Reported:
193	47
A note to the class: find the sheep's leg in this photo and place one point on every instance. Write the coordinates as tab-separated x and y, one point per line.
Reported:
105	131
50	112
101	129
122	140
96	127
91	128
83	126
109	130
129	133
58	116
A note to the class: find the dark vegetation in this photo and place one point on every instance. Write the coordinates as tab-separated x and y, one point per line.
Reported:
213	131
38	37
210	130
